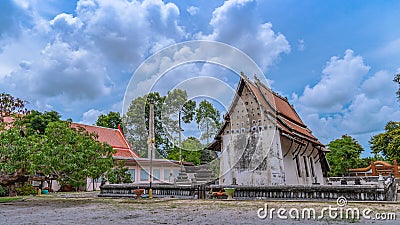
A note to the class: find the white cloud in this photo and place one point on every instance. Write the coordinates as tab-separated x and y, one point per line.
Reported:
237	23
339	83
345	101
124	31
392	48
193	10
66	22
90	117
71	58
62	71
22	3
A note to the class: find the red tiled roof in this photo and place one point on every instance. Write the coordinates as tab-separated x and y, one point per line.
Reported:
113	137
8	119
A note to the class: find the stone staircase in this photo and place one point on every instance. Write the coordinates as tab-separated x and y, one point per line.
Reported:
195	175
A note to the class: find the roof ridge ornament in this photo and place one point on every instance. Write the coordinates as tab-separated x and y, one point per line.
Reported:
243	75
256	80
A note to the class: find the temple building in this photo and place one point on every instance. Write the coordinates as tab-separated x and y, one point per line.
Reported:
263	141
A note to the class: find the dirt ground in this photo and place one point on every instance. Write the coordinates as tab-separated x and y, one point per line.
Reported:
86	208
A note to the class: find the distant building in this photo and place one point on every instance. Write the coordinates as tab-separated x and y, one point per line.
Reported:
263	141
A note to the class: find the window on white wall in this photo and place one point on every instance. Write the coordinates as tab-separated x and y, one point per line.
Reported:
156	174
144	176
176	173
132	173
166	174
98	180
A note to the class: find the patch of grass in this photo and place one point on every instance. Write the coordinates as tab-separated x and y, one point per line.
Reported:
9	199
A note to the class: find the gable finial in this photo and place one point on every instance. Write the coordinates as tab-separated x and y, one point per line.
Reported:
256	79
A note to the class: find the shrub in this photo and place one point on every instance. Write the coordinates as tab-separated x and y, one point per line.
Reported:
4	191
27	189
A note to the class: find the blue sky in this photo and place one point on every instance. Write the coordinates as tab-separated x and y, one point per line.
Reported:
334	60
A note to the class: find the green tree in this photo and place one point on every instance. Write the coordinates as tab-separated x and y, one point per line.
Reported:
208	120
72	154
136	123
111	120
36	122
344	154
191	151
17	156
166	120
14	148
119	174
176	109
388	142
397	80
10	105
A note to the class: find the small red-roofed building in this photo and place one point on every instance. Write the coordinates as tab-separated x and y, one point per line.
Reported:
263	141
164	171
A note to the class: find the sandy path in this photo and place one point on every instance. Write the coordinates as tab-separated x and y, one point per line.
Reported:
81	209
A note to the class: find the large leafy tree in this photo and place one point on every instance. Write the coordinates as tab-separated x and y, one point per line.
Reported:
388	142
208	120
40	142
72	154
176	109
14	147
166	120
36	122
111	120
17	156
136	123
344	154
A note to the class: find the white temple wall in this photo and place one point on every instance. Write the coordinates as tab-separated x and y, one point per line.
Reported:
252	159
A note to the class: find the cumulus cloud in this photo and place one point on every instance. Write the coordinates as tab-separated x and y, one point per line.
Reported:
66	22
193	10
80	57
126	30
62	71
90	117
339	83
237	23
348	101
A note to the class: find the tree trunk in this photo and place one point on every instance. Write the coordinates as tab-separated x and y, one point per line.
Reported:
9	180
